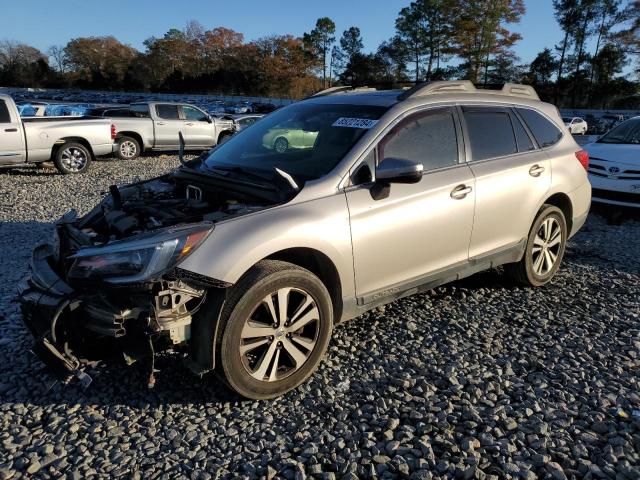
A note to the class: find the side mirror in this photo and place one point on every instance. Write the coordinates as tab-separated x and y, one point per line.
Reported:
208	119
398	170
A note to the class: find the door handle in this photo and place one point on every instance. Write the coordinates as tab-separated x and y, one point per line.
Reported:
10	129
460	192
536	170
159	123
190	124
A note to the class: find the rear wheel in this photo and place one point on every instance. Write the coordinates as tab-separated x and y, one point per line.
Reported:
276	326
544	250
72	158
281	145
128	148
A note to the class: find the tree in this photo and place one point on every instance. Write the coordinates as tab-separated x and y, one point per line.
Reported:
351	46
480	33
60	60
99	61
567	16
319	40
543	67
410	32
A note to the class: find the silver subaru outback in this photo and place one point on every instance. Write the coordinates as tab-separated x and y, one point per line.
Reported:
245	258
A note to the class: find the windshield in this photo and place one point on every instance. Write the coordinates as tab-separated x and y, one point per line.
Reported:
627	132
304	140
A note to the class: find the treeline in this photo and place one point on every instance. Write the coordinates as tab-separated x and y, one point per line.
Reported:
434	39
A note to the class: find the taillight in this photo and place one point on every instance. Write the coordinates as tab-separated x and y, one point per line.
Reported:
114	132
583	158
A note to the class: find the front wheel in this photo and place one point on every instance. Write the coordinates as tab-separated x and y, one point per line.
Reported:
544	249
276	326
72	158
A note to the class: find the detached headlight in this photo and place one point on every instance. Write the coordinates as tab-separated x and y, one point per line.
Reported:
139	259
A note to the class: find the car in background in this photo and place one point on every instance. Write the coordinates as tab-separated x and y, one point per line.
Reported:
243	107
290	135
156	126
608	121
575	125
614	165
243	121
71	143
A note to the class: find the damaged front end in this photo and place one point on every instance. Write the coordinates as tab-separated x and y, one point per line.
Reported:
109	284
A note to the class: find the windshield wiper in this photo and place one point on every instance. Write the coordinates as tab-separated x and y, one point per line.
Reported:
288	178
241	170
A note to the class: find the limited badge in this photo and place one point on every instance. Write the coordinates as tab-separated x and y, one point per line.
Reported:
354	122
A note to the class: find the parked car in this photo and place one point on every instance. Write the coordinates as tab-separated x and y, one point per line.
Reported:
69	143
246	258
614	169
609	121
295	134
243	121
575	125
155	126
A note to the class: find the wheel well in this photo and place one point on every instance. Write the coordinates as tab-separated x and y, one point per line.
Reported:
224	133
64	140
563	202
134	135
321	266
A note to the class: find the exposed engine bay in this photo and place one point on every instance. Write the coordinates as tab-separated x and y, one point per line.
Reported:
93	293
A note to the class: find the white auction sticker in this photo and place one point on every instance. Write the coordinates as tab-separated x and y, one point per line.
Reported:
354	122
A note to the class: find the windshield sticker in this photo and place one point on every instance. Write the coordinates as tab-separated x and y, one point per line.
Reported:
354	122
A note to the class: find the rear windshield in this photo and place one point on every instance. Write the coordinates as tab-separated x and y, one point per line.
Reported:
305	140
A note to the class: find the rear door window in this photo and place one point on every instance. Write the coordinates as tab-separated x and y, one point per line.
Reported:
4	113
545	132
490	132
168	112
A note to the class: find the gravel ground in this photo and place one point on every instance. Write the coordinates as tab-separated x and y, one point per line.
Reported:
478	379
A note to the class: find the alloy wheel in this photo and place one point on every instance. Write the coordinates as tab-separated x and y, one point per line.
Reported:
546	246
128	149
73	159
280	334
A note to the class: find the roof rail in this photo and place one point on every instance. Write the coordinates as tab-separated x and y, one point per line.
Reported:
331	91
342	89
466	86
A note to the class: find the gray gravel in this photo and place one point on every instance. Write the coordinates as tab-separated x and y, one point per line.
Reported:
478	379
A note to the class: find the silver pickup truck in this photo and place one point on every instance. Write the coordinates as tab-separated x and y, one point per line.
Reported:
70	142
155	126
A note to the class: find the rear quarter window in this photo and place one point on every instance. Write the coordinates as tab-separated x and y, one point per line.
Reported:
545	132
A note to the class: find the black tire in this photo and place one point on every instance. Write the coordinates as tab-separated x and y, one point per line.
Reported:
128	148
244	301
71	158
281	144
524	272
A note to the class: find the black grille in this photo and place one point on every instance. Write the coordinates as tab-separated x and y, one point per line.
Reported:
616	196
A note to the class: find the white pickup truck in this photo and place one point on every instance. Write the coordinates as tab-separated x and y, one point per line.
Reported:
155	126
70	142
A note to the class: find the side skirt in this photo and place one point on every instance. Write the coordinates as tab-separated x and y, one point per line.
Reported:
477	264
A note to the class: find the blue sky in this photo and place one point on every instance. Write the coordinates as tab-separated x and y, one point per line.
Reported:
43	23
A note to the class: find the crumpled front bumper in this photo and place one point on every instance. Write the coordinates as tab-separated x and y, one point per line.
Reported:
43	297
